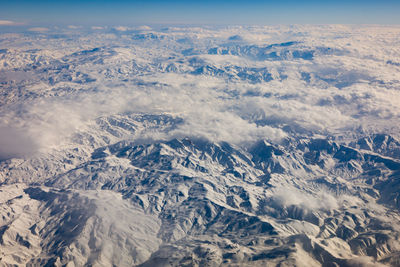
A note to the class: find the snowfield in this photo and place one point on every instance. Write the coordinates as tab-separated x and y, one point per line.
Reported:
200	146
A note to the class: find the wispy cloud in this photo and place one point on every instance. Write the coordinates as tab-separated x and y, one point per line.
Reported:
237	111
74	27
293	197
9	23
144	28
97	28
38	29
15	142
121	28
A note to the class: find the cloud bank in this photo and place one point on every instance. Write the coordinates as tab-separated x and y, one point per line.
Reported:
271	83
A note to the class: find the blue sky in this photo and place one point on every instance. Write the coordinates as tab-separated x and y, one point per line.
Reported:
134	12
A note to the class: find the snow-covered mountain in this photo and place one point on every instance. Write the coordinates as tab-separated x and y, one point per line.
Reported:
237	146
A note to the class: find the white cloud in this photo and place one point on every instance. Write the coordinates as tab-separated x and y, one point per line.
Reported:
216	107
121	28
225	126
9	23
288	196
364	261
74	27
144	28
38	29
97	28
15	142
132	77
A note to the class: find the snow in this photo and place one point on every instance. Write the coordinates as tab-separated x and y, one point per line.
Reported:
200	146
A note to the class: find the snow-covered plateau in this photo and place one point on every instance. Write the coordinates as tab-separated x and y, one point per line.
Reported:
200	146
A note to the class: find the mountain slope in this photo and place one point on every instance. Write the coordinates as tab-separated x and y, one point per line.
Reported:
235	146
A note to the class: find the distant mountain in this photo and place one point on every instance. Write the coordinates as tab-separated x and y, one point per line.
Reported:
237	146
